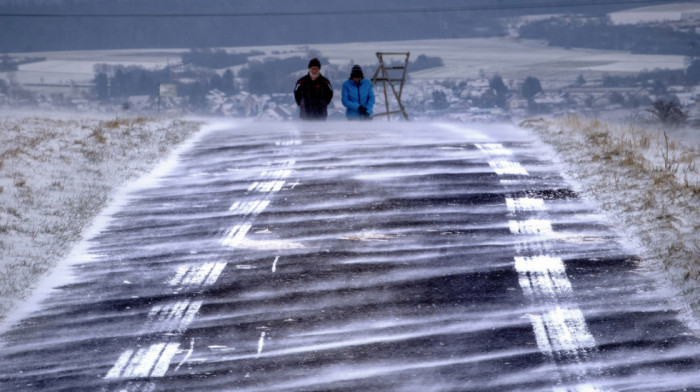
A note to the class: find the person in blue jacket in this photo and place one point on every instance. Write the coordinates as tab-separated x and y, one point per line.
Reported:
358	96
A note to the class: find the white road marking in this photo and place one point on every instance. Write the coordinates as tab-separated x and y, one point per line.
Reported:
287	163
197	275
533	247
189	353
274	264
214	274
133	363
164	361
502	167
254	207
261	207
587	388
189	316
181	271
148	360
261	342
288	143
145	362
542	276
267	186
525	204
154	311
164	318
493	149
540	333
178	310
278	186
121	363
282	173
236	235
175	318
567	330
531	226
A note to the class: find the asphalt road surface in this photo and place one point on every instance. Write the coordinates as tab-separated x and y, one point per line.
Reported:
381	256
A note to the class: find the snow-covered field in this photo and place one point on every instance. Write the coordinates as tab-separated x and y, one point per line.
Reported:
463	58
56	174
656	13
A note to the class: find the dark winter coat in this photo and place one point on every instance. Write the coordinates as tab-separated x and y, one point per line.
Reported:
355	95
313	97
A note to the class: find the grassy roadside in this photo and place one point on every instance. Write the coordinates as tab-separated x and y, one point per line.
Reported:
649	181
56	175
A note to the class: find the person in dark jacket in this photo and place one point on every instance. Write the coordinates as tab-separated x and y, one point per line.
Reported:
313	92
358	96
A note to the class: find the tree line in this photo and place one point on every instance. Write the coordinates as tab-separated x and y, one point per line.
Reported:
114	82
600	33
198	76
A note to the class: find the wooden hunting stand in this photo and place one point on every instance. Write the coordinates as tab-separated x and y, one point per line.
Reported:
386	78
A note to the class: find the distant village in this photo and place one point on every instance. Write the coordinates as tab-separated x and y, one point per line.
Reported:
465	101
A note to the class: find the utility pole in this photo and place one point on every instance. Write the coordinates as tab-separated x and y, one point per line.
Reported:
383	75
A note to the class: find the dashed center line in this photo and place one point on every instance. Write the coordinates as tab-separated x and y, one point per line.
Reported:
493	149
525	204
236	235
197	275
502	167
266	186
145	362
531	226
173	319
541	276
254	207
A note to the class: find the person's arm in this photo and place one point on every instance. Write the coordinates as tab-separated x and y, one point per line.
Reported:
370	101
329	91
299	91
345	95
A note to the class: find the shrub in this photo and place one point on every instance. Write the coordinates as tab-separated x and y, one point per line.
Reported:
668	111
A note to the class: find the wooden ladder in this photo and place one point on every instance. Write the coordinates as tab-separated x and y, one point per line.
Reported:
386	78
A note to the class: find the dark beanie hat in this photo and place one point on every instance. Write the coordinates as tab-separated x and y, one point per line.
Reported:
356	72
314	63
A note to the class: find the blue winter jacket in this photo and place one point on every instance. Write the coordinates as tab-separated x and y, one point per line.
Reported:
355	95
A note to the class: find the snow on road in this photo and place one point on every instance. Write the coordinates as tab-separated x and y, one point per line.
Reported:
57	174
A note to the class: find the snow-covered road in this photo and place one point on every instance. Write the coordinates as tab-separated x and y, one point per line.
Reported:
354	256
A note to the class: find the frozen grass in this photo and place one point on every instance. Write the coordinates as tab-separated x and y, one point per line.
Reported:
55	177
648	182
